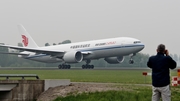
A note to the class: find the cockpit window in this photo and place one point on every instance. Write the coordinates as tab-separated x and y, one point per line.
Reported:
137	42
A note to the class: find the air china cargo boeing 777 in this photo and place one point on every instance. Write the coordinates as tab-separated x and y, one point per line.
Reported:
112	50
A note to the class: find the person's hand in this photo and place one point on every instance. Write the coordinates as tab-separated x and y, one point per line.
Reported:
166	52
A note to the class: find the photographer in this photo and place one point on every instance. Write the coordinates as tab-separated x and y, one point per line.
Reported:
160	65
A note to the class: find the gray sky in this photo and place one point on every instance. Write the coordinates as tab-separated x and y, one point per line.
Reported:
151	21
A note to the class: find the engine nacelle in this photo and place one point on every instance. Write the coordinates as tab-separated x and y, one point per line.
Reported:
73	57
114	60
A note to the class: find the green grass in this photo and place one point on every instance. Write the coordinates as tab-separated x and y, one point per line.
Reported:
109	96
133	93
108	76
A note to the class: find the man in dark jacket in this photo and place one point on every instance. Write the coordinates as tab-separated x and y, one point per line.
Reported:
160	65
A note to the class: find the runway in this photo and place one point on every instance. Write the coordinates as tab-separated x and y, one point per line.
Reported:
77	68
73	68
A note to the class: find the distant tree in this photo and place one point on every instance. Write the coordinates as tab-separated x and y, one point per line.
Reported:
54	43
47	44
3	57
175	57
2	44
66	42
20	44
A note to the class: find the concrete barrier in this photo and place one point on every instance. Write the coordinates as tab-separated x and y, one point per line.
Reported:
27	90
20	90
55	82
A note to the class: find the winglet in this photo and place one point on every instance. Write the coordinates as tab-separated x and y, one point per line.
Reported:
26	38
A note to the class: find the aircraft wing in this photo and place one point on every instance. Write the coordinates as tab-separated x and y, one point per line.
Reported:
36	50
56	53
13	53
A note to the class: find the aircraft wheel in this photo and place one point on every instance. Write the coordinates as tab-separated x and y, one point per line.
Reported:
60	66
69	66
87	66
64	66
83	66
92	66
131	61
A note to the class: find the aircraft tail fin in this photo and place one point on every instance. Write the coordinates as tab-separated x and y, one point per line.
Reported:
26	38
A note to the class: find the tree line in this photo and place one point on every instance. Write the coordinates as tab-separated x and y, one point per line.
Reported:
8	60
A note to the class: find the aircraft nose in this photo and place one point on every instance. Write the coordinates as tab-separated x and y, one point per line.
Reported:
142	46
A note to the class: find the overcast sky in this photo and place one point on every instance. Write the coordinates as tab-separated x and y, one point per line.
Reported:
151	21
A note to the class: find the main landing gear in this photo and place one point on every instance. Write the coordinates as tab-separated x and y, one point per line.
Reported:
64	66
87	66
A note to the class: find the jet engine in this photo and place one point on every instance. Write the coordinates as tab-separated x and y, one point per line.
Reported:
73	57
114	60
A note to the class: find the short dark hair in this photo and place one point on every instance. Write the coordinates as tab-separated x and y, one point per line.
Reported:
161	48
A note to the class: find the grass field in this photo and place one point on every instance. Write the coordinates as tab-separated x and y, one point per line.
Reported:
134	93
139	95
132	77
108	76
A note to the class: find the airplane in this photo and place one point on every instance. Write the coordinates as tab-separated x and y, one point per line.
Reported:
112	50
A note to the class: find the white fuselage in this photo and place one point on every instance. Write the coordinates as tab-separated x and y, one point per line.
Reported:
95	49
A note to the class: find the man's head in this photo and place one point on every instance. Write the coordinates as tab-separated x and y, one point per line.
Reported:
161	48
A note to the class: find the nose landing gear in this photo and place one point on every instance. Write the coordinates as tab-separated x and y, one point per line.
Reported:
131	61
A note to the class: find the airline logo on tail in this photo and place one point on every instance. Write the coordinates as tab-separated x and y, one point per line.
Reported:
25	40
